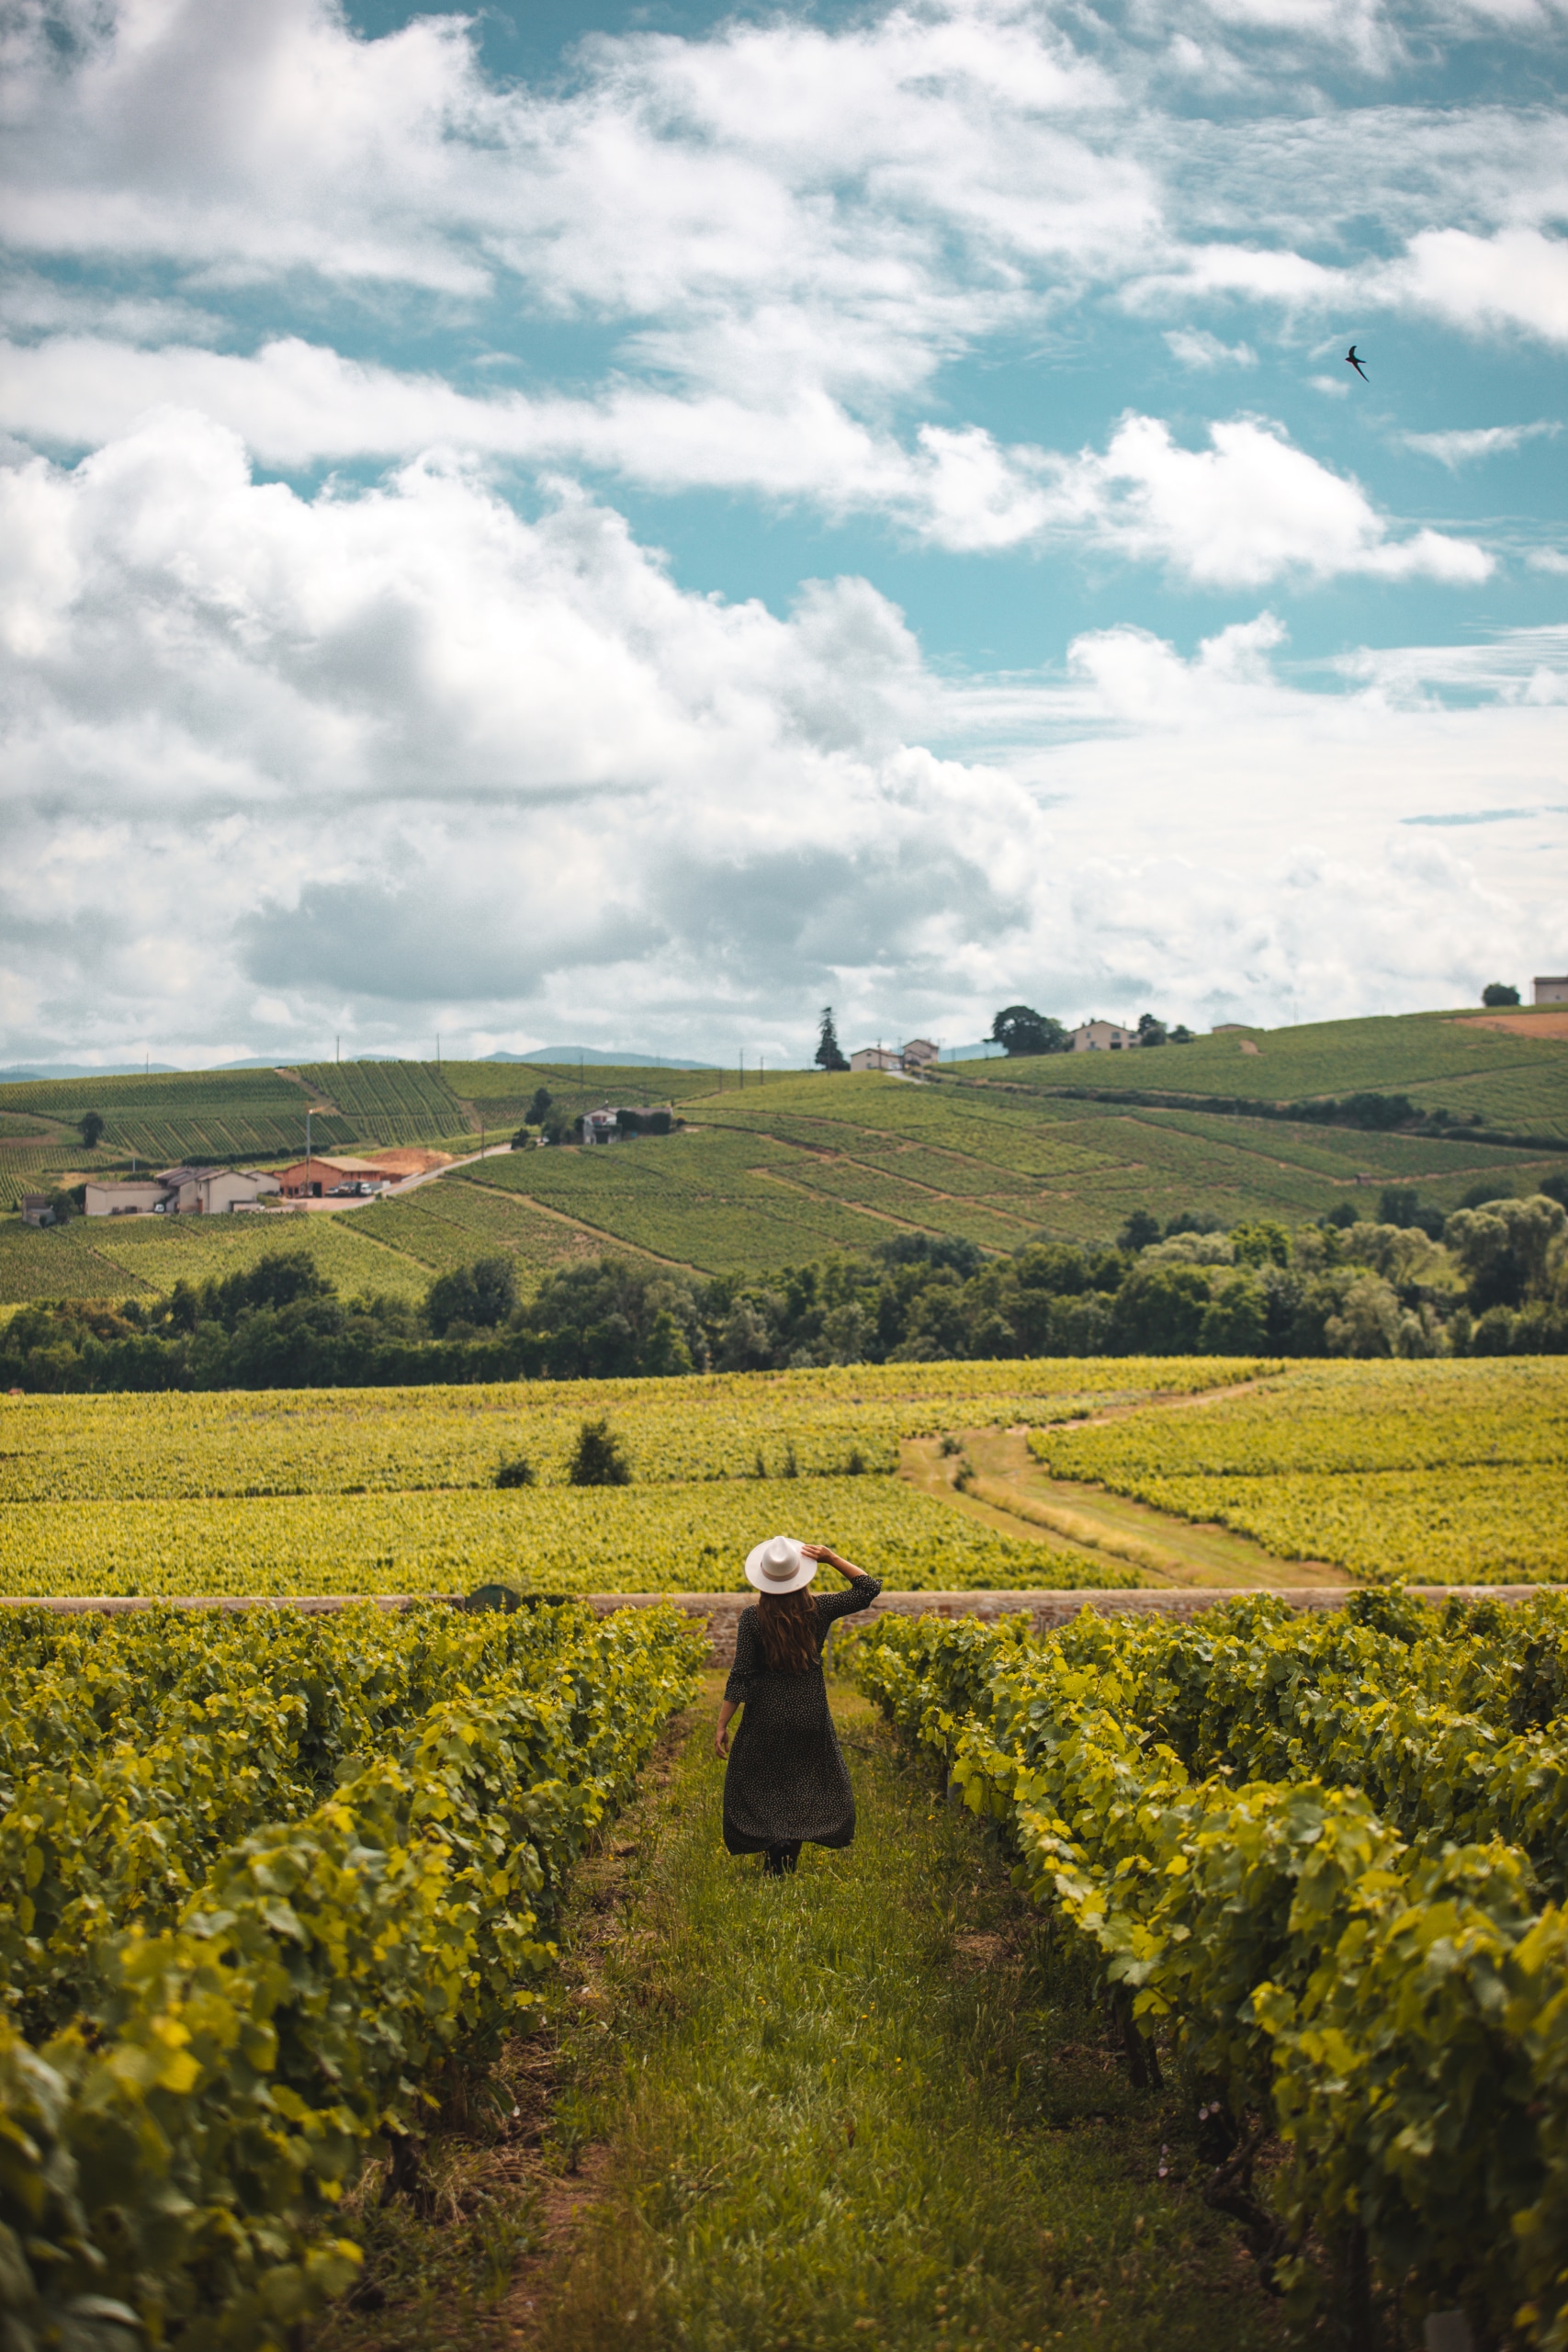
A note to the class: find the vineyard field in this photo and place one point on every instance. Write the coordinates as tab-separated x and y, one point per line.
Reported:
491	1085
799	1166
351	1490
342	1846
1323	1861
695	1200
1514	1081
177	1115
116	1257
389	1103
669	1538
1439	1472
22	1166
451	1223
710	1426
1431	1473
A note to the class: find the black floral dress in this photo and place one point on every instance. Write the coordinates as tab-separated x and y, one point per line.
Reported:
785	1782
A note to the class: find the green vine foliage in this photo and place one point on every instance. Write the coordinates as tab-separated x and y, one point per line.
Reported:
1324	1855
241	1953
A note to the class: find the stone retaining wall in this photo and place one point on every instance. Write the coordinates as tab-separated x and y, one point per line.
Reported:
720	1611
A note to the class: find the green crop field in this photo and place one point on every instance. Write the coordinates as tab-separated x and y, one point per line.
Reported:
576	1085
800	1166
1452	1060
168	1116
116	1257
789	1168
22	1170
1435	1473
393	1489
450	1224
389	1103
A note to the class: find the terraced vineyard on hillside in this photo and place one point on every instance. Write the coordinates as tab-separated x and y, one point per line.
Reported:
801	1165
806	1165
179	1114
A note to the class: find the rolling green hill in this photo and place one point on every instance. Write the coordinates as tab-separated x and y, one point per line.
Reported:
1457	1061
210	1115
789	1168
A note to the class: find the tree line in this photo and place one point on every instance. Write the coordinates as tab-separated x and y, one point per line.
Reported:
1490	1279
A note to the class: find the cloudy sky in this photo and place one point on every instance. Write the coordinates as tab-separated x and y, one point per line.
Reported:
629	523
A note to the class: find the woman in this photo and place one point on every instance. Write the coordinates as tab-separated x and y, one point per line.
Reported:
787	1783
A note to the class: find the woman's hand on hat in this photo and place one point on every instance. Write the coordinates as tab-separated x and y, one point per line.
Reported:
820	1552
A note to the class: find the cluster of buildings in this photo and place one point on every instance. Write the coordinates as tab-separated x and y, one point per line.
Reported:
911	1060
208	1191
899	1061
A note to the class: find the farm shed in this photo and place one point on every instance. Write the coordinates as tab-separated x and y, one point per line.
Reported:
1550	990
312	1178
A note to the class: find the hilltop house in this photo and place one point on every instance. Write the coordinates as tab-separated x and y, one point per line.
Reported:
178	1191
1101	1037
1551	991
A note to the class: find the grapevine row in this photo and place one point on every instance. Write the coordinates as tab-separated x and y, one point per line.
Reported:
174	2155
1395	2011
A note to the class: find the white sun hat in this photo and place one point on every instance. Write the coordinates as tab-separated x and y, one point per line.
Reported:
779	1565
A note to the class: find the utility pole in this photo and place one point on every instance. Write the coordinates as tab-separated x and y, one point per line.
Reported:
308	1154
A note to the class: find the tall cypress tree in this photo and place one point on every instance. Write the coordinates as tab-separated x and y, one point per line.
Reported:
829	1053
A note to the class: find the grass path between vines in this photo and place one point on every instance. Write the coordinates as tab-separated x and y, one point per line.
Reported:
868	2106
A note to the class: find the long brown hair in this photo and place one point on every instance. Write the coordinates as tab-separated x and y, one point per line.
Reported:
787	1622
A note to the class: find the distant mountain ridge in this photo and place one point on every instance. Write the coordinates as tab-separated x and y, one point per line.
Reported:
26	1073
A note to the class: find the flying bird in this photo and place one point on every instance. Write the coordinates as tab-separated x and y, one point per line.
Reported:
1351	361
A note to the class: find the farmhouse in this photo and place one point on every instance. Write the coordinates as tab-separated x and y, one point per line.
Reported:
178	1191
319	1178
616	1123
1101	1037
877	1057
1551	991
